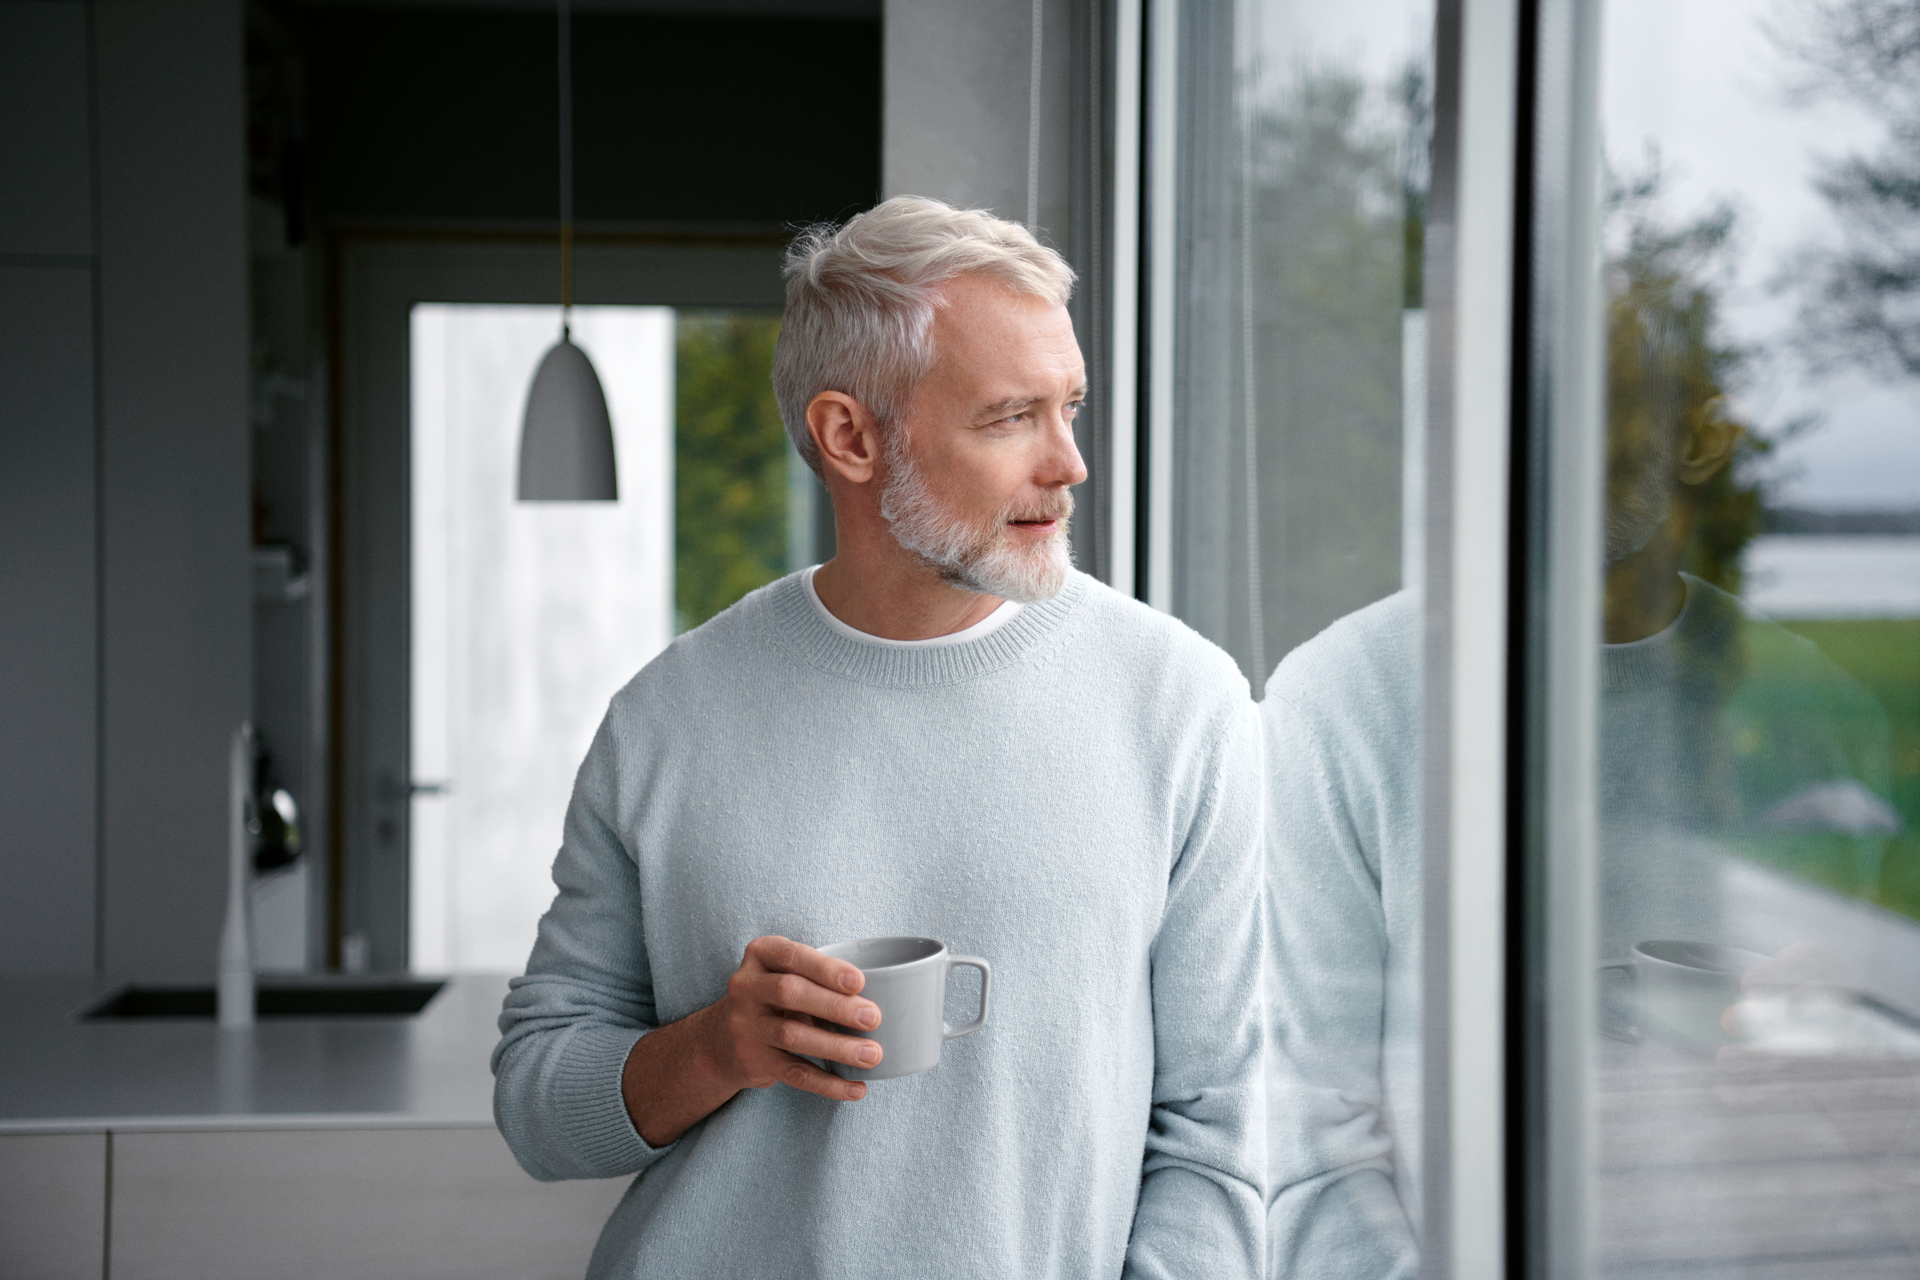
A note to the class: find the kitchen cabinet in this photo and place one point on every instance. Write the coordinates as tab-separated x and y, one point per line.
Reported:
53	1205
291	1204
396	1203
352	1148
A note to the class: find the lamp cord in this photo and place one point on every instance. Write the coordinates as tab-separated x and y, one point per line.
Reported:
566	164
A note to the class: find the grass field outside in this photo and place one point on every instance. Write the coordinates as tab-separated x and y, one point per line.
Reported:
1884	656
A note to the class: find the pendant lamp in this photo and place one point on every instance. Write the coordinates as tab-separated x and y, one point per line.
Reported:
566	438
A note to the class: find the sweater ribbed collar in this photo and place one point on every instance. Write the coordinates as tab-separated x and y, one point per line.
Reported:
799	627
1691	646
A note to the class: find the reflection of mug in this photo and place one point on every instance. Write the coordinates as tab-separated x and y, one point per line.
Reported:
907	978
1680	992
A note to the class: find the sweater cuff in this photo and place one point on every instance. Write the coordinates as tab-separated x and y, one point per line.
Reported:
587	1098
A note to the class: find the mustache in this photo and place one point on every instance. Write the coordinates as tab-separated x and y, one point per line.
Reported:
1060	508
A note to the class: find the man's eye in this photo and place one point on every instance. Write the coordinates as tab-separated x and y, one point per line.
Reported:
1074	407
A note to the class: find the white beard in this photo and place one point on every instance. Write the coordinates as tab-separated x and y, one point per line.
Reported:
1634	517
969	554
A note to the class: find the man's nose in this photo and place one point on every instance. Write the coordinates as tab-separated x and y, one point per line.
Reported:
1062	465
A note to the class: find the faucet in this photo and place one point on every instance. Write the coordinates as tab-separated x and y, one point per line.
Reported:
234	990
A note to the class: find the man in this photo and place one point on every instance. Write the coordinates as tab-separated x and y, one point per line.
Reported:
1717	728
944	731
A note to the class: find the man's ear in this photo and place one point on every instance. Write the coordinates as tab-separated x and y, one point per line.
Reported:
846	434
1707	446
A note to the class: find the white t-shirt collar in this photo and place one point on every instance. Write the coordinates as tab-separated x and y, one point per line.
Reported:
1665	635
985	627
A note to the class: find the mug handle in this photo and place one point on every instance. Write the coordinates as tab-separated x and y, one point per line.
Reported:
1617	1028
986	988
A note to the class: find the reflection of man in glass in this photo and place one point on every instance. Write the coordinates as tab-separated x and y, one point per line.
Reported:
1719	731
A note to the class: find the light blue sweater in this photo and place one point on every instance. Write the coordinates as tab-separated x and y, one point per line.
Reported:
1342	718
1075	796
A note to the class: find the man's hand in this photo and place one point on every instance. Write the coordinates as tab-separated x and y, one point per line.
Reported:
751	1038
1799	1004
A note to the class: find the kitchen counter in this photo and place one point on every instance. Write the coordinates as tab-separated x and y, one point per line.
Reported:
303	1148
60	1074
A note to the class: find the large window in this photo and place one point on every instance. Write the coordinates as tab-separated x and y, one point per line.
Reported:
1527	400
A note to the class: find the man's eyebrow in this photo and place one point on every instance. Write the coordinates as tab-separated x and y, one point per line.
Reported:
1011	402
1021	402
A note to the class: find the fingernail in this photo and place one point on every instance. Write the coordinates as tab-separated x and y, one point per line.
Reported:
856	1093
849	980
870	1016
868	1056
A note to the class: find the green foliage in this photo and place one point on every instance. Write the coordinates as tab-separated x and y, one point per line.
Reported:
1668	372
1415	99
730	462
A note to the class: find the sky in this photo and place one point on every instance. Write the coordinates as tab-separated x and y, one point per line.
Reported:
1704	82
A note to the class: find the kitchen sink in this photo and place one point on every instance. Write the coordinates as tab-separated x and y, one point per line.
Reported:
273	998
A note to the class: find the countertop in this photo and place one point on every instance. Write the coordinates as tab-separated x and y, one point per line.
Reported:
59	1074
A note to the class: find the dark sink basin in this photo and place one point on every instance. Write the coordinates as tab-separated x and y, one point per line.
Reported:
274	998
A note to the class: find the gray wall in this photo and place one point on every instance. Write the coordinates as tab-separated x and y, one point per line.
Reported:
957	88
49	705
124	657
957	107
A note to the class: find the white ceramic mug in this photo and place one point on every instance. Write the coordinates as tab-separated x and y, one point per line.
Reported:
1681	990
907	978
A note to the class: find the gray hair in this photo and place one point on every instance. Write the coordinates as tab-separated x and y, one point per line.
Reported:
861	298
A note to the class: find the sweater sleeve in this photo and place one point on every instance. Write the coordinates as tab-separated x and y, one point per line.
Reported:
1201	1210
1335	1211
586	999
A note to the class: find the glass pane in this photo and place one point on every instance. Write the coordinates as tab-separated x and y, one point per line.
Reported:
1302	177
527	617
1758	1074
1301	145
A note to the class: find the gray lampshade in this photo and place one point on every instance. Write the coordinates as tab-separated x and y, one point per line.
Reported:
566	441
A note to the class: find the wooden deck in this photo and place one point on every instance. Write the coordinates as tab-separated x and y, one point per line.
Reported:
1797	1172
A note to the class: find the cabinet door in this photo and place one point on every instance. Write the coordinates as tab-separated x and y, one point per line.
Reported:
393	1203
53	1205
